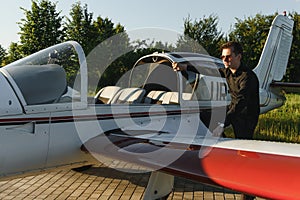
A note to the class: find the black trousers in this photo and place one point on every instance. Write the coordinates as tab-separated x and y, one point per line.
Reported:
244	127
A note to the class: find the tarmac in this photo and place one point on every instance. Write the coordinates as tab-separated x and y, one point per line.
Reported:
101	182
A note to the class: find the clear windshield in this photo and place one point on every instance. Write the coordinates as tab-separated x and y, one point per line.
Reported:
49	76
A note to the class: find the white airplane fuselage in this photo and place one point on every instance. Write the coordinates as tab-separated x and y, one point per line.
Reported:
47	140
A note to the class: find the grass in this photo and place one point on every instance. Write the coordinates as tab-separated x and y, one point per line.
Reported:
281	124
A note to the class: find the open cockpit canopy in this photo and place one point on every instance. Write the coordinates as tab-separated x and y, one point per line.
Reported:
155	72
49	76
158	66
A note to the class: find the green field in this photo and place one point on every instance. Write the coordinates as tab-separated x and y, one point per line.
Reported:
281	124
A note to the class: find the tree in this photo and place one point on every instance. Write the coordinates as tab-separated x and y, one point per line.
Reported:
205	32
14	53
41	27
105	28
293	69
110	59
80	28
94	36
252	34
2	55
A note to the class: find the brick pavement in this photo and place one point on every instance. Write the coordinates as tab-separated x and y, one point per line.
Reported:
92	184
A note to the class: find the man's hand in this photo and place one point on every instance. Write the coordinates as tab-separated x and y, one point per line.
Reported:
217	132
179	66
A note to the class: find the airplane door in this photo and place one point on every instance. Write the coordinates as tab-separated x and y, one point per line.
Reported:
24	144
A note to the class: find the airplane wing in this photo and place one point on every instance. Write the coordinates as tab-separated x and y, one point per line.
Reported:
259	168
287	87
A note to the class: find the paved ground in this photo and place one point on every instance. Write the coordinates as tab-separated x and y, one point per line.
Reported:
91	184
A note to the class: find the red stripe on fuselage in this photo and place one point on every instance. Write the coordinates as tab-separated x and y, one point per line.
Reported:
94	117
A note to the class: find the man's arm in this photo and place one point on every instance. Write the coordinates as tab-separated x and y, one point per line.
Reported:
184	67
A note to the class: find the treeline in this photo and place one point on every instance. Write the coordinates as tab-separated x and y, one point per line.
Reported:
43	26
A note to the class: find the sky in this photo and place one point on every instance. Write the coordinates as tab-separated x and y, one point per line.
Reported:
141	14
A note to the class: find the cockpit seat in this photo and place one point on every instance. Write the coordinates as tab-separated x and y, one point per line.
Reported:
172	97
129	96
155	97
106	94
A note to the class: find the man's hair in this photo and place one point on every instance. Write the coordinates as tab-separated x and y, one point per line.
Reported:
236	47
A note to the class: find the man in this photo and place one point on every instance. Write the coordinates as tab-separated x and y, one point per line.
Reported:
243	111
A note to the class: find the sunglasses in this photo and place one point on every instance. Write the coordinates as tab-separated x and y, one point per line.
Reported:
226	57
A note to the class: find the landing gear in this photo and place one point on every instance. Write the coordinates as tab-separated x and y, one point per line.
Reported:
160	185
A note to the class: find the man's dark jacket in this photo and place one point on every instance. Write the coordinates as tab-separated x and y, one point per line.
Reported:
244	91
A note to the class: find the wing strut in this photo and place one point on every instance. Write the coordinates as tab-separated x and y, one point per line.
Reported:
160	185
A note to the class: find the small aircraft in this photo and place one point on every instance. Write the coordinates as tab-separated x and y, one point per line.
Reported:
154	117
